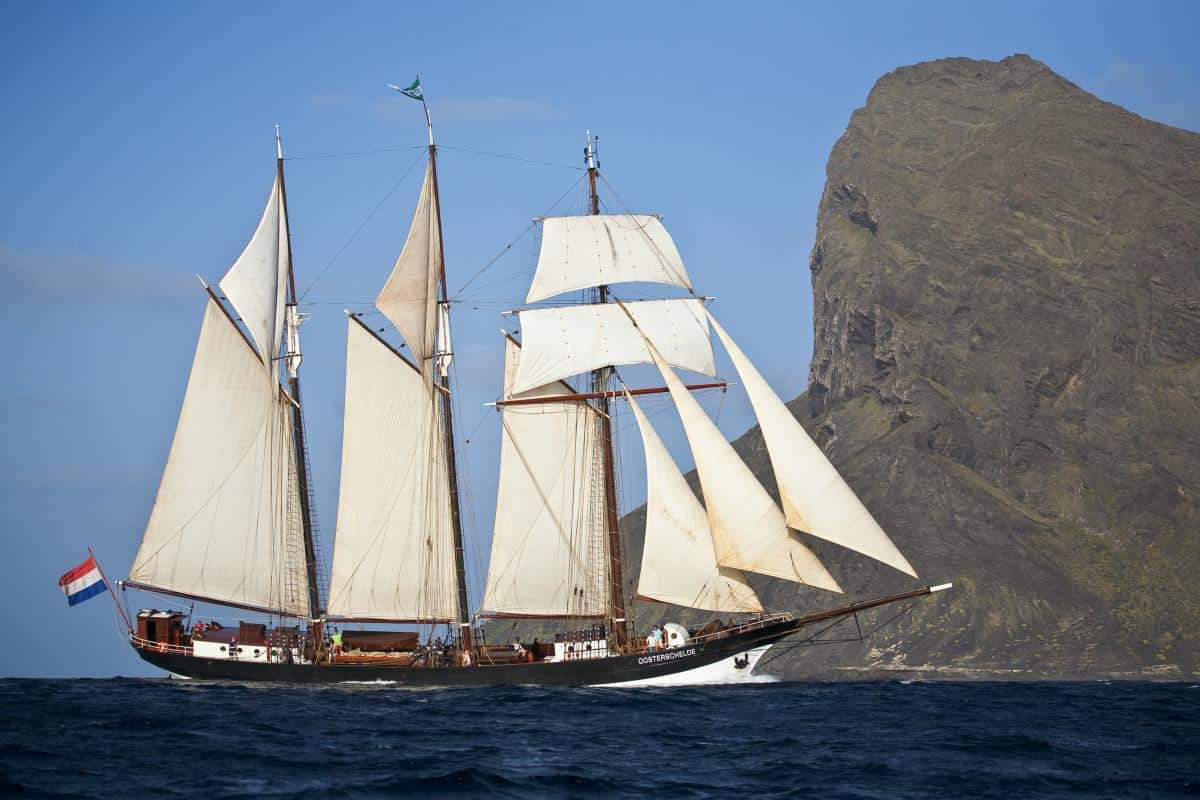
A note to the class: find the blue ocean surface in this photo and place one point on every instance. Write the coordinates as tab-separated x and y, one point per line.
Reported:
138	738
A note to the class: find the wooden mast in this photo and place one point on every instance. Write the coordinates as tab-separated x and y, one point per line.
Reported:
460	569
600	377
292	362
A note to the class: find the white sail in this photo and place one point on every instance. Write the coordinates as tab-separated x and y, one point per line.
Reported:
679	564
571	340
409	298
393	558
256	284
223	526
816	499
580	252
747	527
549	543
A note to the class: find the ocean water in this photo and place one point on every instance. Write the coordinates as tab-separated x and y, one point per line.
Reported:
137	738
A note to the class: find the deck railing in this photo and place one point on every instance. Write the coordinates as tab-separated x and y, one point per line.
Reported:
762	622
753	624
158	647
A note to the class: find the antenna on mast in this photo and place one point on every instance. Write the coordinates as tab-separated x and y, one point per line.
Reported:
278	143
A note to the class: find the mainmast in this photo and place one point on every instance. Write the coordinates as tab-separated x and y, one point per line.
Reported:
443	377
600	379
292	320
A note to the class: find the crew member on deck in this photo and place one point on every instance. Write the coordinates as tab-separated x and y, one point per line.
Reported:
336	641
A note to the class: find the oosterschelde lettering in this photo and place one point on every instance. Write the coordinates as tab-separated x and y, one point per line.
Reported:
671	656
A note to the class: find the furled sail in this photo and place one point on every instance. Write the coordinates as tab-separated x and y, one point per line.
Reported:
580	252
816	499
224	525
409	298
571	340
747	527
445	351
679	564
393	558
549	543
256	284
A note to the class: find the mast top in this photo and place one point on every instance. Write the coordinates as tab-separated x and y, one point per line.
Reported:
278	143
592	161
415	91
591	157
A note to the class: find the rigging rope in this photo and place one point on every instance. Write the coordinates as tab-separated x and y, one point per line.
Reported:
510	158
649	241
362	225
456	297
356	153
814	639
509	246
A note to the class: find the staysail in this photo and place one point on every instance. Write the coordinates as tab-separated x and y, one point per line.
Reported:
570	340
223	527
548	545
585	251
393	558
679	563
748	528
815	498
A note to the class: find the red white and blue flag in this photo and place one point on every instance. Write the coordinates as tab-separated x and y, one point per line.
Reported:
82	583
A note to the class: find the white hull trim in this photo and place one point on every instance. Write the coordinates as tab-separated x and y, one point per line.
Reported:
725	671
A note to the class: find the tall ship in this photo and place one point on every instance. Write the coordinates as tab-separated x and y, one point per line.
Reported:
234	523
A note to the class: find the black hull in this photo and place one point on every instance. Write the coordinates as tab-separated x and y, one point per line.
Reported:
583	672
649	666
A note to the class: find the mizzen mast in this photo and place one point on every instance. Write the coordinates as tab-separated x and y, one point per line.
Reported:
600	379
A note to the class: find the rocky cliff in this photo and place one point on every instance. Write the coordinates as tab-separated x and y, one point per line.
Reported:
1006	298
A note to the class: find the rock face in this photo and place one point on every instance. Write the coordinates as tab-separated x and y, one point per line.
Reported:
1006	290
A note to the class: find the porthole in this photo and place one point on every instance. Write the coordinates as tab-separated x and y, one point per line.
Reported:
222	648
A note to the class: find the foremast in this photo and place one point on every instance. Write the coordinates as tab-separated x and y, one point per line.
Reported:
232	522
600	380
292	321
443	363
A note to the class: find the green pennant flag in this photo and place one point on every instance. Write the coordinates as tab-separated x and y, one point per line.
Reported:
413	90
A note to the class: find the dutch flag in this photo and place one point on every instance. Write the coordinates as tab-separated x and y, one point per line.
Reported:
82	583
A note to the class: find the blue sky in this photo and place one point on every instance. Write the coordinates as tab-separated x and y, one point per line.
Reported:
136	150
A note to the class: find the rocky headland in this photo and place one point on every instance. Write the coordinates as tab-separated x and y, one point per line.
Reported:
1006	304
